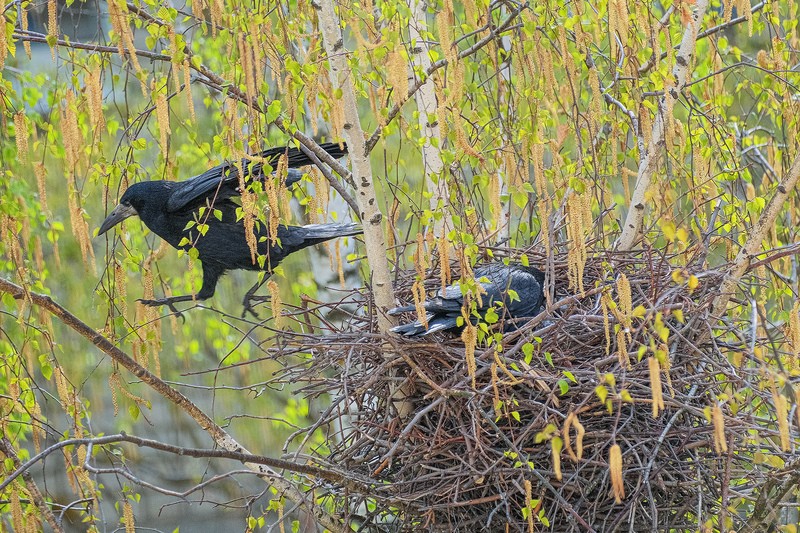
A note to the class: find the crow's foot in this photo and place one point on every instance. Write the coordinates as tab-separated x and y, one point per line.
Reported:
169	302
248	306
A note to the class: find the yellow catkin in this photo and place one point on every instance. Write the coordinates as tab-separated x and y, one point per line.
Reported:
62	387
217	8
249	208
720	442
80	228
655	385
127	514
615	467
622	18
113	385
470	338
744	9
624	300
419	257
246	64
175	58
793	335
566	436
596	103
187	81
397	73
94	90
120	286
580	432
16	509
283	193
578	212
529	504
21	136
418	291
3	41
443	248
38	430
71	132
197	9
782	414
23	21
162	114
118	14
275	303
52	24
40	172
555	448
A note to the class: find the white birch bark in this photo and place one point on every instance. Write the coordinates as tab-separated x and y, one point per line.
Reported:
370	214
655	148
428	122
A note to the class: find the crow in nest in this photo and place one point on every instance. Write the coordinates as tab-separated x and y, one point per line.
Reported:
497	279
168	208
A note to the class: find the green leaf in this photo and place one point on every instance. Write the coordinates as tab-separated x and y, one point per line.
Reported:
527	350
273	110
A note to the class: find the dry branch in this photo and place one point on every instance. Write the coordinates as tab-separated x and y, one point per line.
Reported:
464	459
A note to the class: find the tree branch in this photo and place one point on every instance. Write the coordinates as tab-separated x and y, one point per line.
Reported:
219	435
754	240
8	450
647	165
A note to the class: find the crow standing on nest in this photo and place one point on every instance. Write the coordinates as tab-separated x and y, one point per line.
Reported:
497	280
167	208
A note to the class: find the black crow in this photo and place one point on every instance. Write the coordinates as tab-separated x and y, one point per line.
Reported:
172	211
497	280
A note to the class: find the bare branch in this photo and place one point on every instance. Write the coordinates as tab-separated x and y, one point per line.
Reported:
752	246
220	436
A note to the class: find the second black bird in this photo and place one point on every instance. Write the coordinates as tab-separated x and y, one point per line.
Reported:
500	282
168	207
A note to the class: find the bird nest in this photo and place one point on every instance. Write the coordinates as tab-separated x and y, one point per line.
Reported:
530	437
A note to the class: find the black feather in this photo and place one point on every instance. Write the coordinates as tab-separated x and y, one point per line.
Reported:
497	280
172	209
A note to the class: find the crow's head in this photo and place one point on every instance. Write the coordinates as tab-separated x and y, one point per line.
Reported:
138	199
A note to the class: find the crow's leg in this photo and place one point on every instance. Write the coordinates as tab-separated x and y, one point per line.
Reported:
250	296
210	277
169	302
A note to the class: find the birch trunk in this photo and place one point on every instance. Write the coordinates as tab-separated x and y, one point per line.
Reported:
428	122
655	148
369	211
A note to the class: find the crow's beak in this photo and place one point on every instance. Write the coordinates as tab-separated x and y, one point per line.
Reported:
120	213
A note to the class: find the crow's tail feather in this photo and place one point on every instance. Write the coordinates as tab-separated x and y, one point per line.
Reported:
435	323
323	232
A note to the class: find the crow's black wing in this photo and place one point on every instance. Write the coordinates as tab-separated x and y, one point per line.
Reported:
518	288
222	181
497	280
